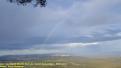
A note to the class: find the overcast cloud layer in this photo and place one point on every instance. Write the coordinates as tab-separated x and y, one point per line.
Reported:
88	26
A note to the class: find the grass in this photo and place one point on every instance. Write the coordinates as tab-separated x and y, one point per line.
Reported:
66	62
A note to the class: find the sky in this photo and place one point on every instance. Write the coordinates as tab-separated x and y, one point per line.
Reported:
77	27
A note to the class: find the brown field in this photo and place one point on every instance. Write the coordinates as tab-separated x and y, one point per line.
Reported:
66	62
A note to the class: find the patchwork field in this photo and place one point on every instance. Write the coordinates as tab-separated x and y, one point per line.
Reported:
65	62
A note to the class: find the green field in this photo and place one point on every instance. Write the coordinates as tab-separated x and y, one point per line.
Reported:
65	62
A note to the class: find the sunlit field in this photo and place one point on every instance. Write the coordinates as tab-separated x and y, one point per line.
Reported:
65	62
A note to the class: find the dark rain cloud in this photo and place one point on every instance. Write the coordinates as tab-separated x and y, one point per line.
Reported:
24	27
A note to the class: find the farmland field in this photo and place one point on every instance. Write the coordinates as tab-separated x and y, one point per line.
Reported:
65	62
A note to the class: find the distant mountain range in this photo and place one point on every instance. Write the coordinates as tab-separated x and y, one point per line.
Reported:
35	57
25	57
32	57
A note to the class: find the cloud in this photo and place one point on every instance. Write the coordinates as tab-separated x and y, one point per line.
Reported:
27	52
74	23
76	45
39	49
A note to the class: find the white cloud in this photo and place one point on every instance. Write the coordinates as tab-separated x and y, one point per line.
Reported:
27	51
76	45
38	50
111	46
119	34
